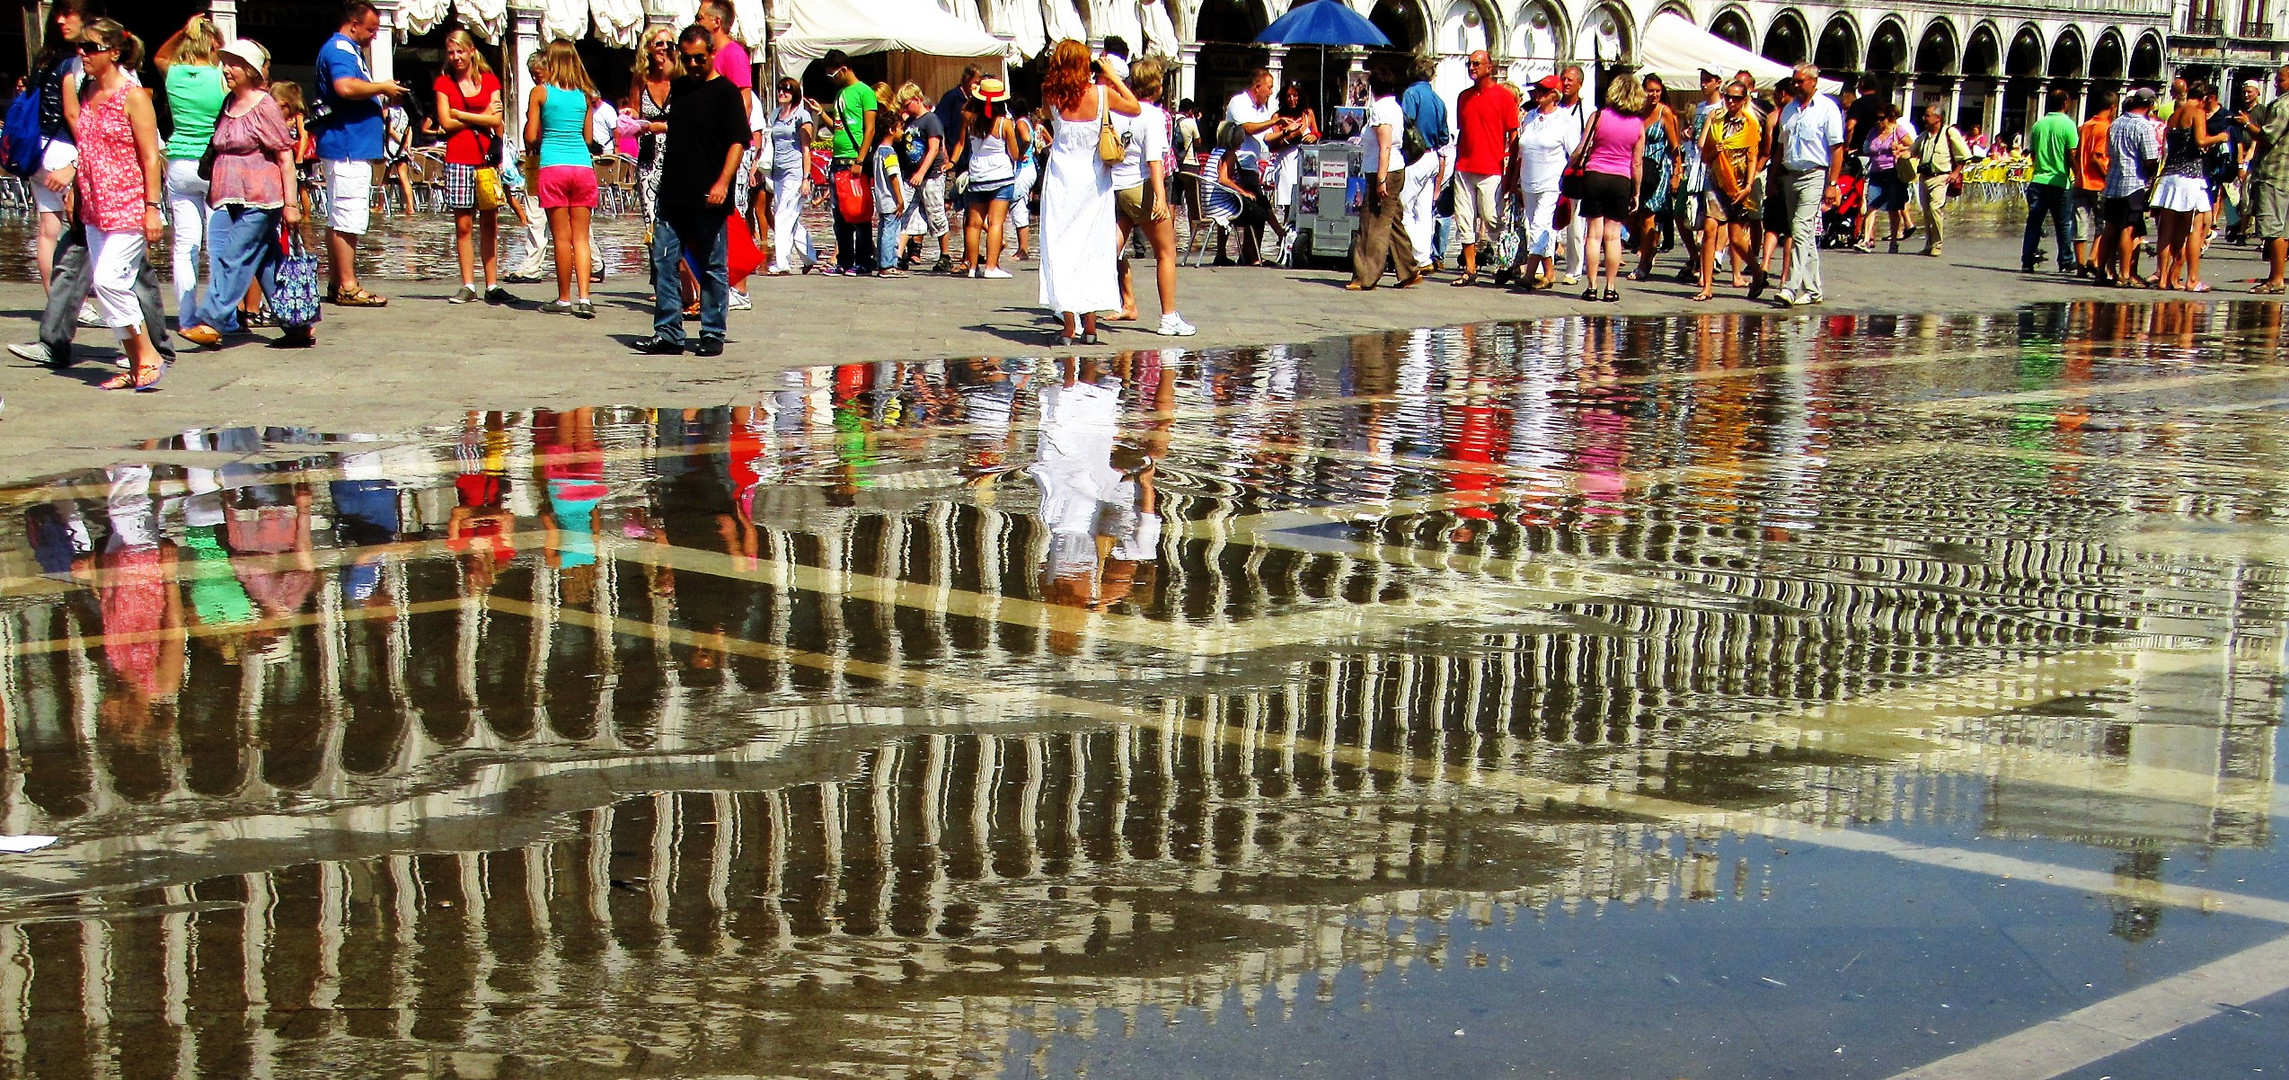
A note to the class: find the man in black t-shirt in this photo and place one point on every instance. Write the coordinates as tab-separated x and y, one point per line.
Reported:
707	135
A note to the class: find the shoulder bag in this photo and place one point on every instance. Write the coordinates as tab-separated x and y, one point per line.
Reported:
1109	148
1570	182
296	301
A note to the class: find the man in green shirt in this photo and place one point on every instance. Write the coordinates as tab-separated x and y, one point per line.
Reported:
853	126
2051	144
2267	125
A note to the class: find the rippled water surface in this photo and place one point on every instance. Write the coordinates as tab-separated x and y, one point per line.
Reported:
1731	696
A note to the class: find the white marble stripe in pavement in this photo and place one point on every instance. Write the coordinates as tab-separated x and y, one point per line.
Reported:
2122	1022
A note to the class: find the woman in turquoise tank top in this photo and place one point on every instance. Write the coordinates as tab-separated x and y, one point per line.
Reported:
556	126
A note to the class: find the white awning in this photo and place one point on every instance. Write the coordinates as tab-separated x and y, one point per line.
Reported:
871	26
567	19
1063	20
618	22
420	16
1022	20
1679	51
487	19
1118	18
1159	30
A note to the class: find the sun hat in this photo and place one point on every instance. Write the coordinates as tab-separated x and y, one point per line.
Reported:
249	52
990	90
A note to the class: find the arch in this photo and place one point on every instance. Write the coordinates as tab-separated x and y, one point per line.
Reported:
2108	59
1466	27
1404	22
1839	47
1732	24
1234	21
2025	58
1936	53
1983	52
1788	38
1605	36
2067	55
2146	58
1888	46
1537	41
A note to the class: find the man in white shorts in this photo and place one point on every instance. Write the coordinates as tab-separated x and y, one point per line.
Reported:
351	137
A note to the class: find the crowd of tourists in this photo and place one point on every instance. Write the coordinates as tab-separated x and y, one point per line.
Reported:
1537	186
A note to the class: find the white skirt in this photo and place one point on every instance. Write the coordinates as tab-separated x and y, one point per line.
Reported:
2184	194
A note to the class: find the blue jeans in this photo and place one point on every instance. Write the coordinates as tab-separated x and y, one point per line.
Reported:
887	240
242	248
2047	199
713	271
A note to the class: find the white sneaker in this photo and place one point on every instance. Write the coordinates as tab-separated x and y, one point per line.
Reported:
30	350
1787	297
994	272
740	301
89	317
1173	325
1803	300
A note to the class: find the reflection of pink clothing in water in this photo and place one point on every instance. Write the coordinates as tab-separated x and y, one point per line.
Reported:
1601	452
134	598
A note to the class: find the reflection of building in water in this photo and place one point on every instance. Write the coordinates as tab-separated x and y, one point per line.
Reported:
903	912
481	644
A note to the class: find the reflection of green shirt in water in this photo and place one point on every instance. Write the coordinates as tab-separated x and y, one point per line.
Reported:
216	596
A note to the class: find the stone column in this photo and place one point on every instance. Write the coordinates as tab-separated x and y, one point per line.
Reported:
224	14
522	40
381	56
1188	71
1276	58
1955	100
655	14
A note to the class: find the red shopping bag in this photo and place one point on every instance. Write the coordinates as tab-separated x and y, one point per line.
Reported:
854	197
739	248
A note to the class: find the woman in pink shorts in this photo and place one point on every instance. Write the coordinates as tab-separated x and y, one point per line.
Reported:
556	122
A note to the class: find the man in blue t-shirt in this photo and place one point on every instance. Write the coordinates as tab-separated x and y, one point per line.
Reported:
351	135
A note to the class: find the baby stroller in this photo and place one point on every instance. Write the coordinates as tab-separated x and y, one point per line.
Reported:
1836	222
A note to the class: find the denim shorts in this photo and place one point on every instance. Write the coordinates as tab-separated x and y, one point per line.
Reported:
980	197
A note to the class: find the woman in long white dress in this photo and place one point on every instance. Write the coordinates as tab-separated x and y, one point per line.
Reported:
1079	238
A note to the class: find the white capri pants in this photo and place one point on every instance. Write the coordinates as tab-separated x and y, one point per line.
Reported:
1421	200
57	155
115	259
1536	237
187	217
790	238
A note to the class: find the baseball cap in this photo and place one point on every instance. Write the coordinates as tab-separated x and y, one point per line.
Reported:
1550	82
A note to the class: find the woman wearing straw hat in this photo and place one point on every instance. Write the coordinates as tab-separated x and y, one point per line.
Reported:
990	154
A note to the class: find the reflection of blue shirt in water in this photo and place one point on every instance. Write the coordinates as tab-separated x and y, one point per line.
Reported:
575	516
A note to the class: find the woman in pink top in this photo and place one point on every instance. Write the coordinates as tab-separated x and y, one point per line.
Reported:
120	178
1611	158
252	189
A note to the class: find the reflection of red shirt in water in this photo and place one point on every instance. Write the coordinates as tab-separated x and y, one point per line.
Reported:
1481	437
487	522
134	598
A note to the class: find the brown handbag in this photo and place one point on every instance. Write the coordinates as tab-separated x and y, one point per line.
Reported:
1109	148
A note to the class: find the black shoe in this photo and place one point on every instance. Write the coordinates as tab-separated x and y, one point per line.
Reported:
659	345
2028	268
1611	297
1502	277
708	346
498	296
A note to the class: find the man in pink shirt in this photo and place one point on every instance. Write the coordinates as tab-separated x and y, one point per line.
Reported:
1486	121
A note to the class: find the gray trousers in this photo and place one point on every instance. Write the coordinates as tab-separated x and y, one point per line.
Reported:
1804	191
67	290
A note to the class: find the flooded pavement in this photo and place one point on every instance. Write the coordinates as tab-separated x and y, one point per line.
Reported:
1730	696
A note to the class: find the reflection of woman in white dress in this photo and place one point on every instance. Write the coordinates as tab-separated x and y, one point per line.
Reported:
1079	240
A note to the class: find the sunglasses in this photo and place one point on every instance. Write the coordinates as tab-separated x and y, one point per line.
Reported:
694	59
89	48
1736	97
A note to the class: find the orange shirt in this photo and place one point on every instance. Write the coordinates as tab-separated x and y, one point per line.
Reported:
2090	157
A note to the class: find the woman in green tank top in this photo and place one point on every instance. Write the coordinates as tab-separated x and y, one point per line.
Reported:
195	92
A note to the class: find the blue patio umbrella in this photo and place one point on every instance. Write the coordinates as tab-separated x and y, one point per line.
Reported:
1323	22
1326	23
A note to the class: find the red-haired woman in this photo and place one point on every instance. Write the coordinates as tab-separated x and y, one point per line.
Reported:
1079	277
